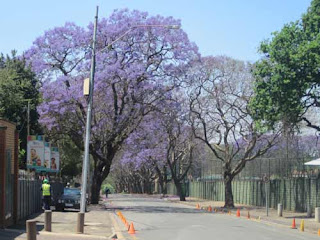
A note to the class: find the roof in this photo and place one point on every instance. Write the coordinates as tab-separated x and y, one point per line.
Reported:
315	162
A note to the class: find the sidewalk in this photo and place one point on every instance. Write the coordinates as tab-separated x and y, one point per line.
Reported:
255	212
98	225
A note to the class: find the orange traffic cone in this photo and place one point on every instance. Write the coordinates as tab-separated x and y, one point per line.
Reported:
131	229
197	206
238	213
209	209
248	216
293	224
127	225
319	232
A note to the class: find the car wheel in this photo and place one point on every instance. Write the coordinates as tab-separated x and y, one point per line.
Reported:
60	209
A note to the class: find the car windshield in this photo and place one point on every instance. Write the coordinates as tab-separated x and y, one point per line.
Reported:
70	191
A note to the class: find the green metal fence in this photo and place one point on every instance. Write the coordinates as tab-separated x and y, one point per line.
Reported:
295	194
29	196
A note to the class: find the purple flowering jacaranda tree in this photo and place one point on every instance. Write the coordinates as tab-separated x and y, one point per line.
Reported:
146	149
164	143
132	76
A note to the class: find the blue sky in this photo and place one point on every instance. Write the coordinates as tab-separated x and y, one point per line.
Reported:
229	27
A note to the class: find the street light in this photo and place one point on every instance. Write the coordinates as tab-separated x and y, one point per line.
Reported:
85	165
28	114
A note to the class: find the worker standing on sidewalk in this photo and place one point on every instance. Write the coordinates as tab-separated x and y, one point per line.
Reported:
46	194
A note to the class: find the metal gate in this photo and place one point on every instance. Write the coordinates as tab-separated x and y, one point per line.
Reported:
8	208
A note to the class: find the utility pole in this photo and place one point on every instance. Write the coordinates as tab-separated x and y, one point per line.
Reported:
85	166
28	118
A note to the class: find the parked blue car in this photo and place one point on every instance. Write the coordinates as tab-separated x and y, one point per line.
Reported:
69	199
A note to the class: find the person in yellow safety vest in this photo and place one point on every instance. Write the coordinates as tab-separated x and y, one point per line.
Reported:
46	194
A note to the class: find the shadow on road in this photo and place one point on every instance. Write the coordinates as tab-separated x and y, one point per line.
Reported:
299	217
152	205
153	209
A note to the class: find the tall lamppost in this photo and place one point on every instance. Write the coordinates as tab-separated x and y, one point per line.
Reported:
85	165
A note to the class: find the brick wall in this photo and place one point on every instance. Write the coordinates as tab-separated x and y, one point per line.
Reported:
2	173
8	142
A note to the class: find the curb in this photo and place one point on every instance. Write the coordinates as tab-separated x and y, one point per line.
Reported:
116	232
253	218
72	235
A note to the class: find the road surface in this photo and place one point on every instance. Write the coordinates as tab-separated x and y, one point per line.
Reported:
157	219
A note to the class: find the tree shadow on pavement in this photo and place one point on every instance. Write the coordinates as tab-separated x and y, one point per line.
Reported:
10	234
21	225
19	229
133	199
154	209
299	217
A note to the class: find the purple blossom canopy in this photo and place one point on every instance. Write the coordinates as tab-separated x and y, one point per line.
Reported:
132	76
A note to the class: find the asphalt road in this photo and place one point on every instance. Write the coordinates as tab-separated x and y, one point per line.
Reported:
158	219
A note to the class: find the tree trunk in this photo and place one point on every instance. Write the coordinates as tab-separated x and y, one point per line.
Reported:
228	192
180	190
95	189
162	179
97	179
165	185
148	187
165	181
161	185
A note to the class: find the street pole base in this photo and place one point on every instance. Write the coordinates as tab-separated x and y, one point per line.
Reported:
80	223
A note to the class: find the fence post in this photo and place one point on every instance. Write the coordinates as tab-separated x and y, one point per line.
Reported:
309	211
280	210
27	198
33	194
267	198
31	230
317	214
